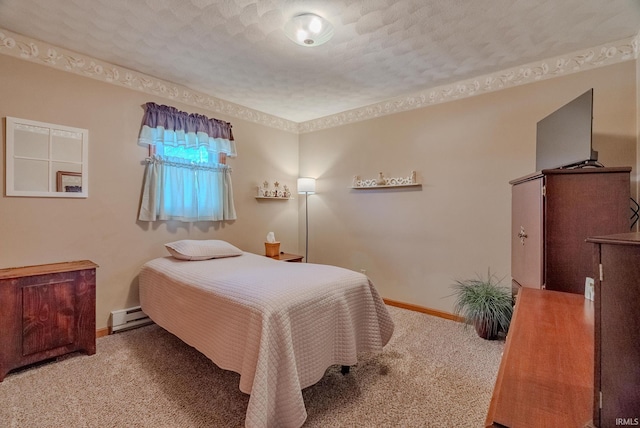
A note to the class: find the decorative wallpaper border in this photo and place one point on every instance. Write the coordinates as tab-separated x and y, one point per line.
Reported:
620	51
23	47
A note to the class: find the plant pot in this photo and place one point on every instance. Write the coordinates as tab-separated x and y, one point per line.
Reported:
485	304
484	330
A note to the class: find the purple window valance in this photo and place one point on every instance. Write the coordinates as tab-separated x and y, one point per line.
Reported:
168	126
172	119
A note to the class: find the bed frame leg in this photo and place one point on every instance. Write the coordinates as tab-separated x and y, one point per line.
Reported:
345	370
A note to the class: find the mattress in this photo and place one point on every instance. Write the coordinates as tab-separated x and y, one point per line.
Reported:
279	325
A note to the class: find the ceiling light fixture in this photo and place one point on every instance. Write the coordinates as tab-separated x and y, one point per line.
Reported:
308	30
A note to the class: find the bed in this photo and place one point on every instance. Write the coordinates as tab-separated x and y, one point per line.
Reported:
279	325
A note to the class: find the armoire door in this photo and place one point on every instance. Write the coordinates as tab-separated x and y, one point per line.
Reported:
526	233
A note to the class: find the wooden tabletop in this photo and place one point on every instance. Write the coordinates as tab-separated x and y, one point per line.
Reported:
19	272
547	368
287	257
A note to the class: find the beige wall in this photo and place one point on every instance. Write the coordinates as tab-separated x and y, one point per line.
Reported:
104	227
414	243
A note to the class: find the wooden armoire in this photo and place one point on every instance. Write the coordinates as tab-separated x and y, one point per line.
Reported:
553	212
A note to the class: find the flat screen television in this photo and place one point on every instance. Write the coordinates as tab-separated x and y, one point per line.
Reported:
564	138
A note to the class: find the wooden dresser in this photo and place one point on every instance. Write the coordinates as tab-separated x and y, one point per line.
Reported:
546	372
46	311
617	330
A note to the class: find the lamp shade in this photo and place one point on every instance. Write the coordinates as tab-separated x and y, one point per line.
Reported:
306	185
308	30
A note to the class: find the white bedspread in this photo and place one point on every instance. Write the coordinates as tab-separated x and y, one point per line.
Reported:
279	325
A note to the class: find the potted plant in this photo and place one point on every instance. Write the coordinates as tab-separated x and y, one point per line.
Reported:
485	304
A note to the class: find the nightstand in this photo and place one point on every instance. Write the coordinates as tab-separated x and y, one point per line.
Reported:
286	257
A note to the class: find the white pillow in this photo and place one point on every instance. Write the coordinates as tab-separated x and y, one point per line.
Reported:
190	249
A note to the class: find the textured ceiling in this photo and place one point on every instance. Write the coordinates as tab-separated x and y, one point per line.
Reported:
235	50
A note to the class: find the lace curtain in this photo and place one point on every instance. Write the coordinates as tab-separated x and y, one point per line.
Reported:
187	185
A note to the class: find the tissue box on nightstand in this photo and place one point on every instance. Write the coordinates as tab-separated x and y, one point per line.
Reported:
272	249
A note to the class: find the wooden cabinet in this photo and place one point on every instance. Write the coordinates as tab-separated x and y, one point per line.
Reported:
617	330
553	212
47	311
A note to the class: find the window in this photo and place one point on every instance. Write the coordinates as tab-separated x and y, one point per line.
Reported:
187	178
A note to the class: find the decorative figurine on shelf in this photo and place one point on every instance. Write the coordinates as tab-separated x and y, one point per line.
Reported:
286	193
265	189
413	177
277	193
380	181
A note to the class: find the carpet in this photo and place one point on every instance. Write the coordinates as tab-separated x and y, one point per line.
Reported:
433	373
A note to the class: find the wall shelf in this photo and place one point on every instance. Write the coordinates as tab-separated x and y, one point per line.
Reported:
386	186
385	183
274	198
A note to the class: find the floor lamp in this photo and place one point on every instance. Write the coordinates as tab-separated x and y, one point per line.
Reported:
307	186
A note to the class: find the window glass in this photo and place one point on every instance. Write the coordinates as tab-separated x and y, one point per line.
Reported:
198	155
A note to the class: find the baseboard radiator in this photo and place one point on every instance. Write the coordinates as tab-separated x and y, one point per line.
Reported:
126	319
